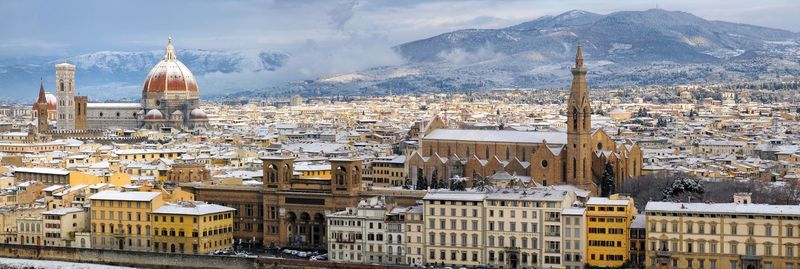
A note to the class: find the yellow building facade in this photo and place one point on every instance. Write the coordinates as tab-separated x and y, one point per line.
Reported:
121	220
192	228
608	221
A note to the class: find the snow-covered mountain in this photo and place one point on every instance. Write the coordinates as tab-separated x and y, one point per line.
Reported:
119	75
622	48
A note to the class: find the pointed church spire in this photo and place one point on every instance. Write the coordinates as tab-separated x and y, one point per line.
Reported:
579	57
42	97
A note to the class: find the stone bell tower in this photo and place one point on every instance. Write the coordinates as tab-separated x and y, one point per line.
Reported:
579	129
65	93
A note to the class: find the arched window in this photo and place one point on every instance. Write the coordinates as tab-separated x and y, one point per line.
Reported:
575	118
486	153
574	167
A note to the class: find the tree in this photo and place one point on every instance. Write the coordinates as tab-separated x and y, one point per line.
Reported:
684	188
422	183
457	184
483	184
435	180
608	181
407	183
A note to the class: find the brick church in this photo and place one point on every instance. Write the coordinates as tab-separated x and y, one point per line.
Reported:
576	157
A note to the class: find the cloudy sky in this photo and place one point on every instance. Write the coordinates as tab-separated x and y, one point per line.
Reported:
57	27
324	36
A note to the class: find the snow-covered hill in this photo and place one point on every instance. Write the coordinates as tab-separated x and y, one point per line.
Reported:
117	74
622	48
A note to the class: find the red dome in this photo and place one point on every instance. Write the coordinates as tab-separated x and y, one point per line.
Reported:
169	75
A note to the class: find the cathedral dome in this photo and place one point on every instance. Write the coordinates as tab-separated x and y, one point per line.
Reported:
197	114
52	101
169	75
154	114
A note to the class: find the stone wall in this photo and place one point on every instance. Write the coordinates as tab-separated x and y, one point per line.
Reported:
126	258
176	261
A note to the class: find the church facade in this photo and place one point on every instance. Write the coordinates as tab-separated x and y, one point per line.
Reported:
576	157
170	100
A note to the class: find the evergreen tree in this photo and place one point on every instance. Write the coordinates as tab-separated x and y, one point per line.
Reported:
483	184
457	184
422	183
608	181
435	180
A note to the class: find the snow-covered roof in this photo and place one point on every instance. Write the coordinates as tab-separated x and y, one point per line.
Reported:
114	105
192	208
638	221
574	211
497	136
125	196
63	211
606	201
42	170
725	208
454	195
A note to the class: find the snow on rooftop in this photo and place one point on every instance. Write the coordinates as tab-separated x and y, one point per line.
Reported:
606	201
114	105
724	208
192	208
497	136
42	170
63	211
125	196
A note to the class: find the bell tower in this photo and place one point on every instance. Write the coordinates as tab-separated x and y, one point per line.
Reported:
65	93
41	111
345	176
579	128
278	171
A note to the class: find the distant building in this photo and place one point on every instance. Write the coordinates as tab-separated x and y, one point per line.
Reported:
296	100
170	99
576	157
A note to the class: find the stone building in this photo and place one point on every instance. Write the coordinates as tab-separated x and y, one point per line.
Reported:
188	172
738	235
170	99
575	157
295	209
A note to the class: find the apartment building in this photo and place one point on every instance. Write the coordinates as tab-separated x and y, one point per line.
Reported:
192	228
414	235
608	221
738	235
121	220
454	228
60	226
524	227
388	171
357	234
506	228
574	234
